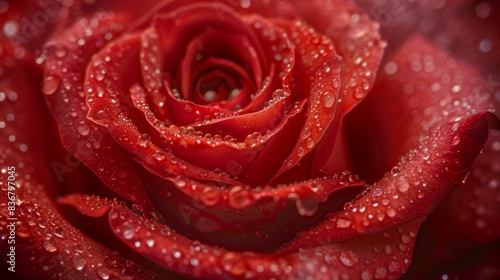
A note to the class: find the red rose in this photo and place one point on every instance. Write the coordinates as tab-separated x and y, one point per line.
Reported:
244	139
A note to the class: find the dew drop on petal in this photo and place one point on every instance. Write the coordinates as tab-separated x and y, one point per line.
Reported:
158	156
103	273
395	171
348	258
310	143
239	197
143	140
358	93
61	51
49	246
300	151
128	231
306	206
50	85
391	212
79	262
380	273
59	232
343	223
389	250
83	128
402	184
455	140
336	83
366	275
328	99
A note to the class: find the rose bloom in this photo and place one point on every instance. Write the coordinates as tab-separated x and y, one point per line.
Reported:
252	139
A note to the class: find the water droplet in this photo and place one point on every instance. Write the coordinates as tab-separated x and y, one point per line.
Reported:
143	140
377	191
210	195
59	232
395	171
177	254
391	212
328	99
79	262
343	223
306	206
150	242
180	183
402	184
348	258
300	151
239	197
252	139
61	51
49	245
310	143
103	273
128	231
456	88
83	128
50	85
366	275
359	93
405	238
380	273
326	67
335	83
100	116
158	156
455	140
194	262
389	249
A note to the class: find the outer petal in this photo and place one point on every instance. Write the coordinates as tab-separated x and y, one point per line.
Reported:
67	56
357	40
359	257
46	245
429	92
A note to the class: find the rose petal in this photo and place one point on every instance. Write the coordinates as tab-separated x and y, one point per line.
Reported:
419	87
43	237
438	151
65	99
358	43
321	92
472	208
361	256
108	106
238	213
